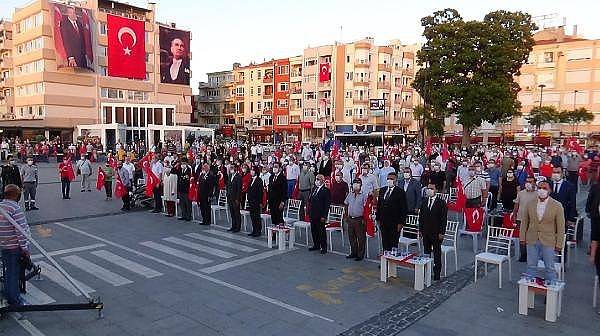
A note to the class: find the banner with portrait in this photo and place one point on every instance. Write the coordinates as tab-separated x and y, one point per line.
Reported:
174	56
73	36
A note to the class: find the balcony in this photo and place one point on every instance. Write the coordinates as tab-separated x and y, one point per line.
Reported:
408	71
296	74
6	45
359	82
268	95
268	110
362	45
6	63
362	65
386	50
268	79
384	67
6	82
239	98
359	101
239	81
383	85
296	91
360	118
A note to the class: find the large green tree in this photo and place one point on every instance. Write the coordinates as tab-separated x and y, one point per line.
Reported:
468	67
542	115
576	117
430	120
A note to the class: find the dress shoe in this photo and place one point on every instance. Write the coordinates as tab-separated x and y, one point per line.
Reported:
230	229
236	231
155	211
358	259
180	218
350	256
323	251
436	278
251	234
314	248
34	208
68	197
256	235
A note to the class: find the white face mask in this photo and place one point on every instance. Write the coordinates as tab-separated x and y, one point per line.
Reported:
338	178
430	192
318	183
356	186
406	176
29	162
556	177
529	186
391	183
542	193
275	170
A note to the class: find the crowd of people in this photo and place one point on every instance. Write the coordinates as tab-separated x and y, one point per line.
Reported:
378	187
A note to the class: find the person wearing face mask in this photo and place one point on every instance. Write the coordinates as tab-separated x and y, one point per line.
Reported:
325	166
438	177
292	173
306	181
433	215
391	212
206	188
184	174
355	205
369	182
475	189
277	195
125	177
169	190
109	172
524	197
565	193
246	177
573	163
462	171
339	190
348	170
542	230
412	189
509	190
592	208
234	197
416	169
254	201
29	176
65	170
320	201
495	179
384	172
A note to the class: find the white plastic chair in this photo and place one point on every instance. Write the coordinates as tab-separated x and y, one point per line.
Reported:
453	194
266	219
378	237
571	238
335	215
449	244
409	230
245	216
292	212
164	203
444	197
220	206
474	234
595	298
498	239
196	213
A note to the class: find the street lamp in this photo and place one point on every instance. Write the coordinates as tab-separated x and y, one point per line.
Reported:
541	86
574	99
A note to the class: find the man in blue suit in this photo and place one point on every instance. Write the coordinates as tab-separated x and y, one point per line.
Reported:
412	189
565	193
320	200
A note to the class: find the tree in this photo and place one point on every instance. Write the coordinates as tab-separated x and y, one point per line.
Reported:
431	122
468	67
541	115
576	117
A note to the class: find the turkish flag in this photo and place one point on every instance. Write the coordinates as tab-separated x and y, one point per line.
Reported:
368	216
325	72
100	180
126	47
474	218
193	190
120	189
152	182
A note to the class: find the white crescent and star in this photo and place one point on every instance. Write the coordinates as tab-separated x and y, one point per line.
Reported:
123	31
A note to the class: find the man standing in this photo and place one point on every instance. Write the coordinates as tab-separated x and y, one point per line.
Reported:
125	177
157	168
369	181
109	172
277	194
592	207
565	193
524	197
11	174
391	212
320	201
355	202
29	176
306	181
292	173
206	188
66	175
432	225
495	180
234	197
384	172
412	189
542	230
573	162
13	243
184	173
84	168
339	189
416	169
475	189
325	166
130	168
254	200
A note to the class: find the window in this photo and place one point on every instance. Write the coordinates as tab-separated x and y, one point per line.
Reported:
548	57
30	89
169	112
267	121
111	93
310	61
283	69
310	96
268	105
348	94
282	120
284	86
347	58
579	54
30	46
259	106
29	23
282	103
102	28
259	74
36	66
251	74
251	91
158	119
349	76
348	112
239	91
119	115
258	90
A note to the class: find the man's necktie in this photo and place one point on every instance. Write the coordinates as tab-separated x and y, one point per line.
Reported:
387	194
556	187
430	202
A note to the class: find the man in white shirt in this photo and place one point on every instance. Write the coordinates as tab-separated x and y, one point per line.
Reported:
129	167
384	172
292	172
178	70
416	169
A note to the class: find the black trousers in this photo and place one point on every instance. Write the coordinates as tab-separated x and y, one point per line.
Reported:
434	244
185	205
205	210
126	201
494	191
389	236
255	218
108	188
317	229
573	177
65	186
157	199
276	213
236	216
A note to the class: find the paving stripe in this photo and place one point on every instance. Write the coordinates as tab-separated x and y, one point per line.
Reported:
220	242
236	237
127	264
25	324
50	272
199	275
35	296
97	271
241	261
199	247
67	251
177	253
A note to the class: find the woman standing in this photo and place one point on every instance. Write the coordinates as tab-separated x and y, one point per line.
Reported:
169	191
508	190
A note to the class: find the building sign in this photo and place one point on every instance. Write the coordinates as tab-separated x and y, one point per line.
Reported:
73	36
377	107
306	124
318	124
174	56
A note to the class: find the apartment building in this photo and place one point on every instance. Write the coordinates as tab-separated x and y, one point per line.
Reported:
214	104
71	101
7	101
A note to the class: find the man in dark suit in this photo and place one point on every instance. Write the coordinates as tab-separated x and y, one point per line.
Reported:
320	200
412	189
177	70
184	173
71	30
277	194
254	200
592	207
234	197
565	193
433	215
391	212
206	188
325	166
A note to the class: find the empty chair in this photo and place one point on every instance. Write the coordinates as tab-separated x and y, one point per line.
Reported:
453	194
335	216
499	241
245	217
449	244
220	206
378	241
572	238
410	234
292	213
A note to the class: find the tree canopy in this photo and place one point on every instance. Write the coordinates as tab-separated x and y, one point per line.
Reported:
541	115
468	67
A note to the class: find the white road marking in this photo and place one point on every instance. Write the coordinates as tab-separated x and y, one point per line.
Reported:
67	251
177	253
220	242
236	288
54	275
236	237
199	247
127	264
35	296
25	324
97	271
242	261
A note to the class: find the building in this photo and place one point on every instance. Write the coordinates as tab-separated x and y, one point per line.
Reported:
7	100
214	104
53	100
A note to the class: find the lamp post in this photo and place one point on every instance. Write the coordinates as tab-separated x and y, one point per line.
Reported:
575	99
541	86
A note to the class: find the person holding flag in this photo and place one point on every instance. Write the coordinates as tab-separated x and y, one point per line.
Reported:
100	179
154	175
65	171
108	173
123	185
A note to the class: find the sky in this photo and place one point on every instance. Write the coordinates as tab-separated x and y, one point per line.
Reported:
228	31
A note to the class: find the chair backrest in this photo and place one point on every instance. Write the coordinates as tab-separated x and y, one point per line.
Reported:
336	214
488	201
222	198
451	233
293	209
444	197
453	194
499	239
411	226
141	181
572	230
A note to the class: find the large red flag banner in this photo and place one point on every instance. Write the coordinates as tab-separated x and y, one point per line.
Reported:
126	47
325	72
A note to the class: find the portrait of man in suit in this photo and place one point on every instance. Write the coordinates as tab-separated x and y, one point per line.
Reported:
176	68
73	36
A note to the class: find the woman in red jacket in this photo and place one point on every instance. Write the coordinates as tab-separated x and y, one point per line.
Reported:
246	178
546	168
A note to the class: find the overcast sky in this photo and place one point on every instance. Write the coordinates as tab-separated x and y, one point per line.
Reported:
224	32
